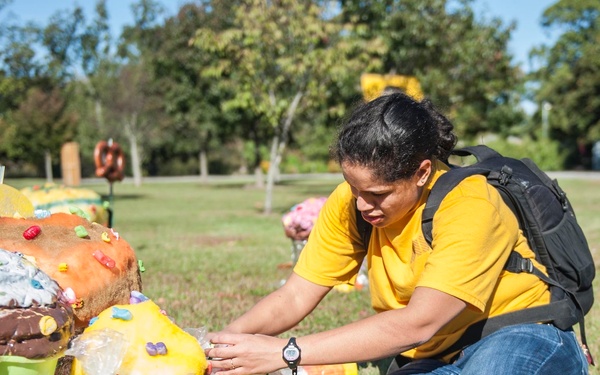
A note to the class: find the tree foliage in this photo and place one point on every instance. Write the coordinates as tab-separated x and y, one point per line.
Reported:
282	56
569	79
461	61
275	76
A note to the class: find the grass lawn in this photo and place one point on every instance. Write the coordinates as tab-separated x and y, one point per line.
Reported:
210	253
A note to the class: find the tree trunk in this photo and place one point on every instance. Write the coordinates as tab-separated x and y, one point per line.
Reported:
277	148
203	161
135	160
48	166
259	177
98	114
271	176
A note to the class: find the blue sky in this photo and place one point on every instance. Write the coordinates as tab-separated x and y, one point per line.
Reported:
526	13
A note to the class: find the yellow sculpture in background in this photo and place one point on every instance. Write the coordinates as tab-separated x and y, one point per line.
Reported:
373	85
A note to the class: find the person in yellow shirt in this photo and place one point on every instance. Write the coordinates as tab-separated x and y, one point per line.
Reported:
392	151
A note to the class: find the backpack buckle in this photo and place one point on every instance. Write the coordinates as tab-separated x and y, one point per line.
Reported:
526	265
505	174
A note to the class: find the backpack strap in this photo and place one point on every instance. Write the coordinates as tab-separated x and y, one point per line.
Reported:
481	152
364	228
563	313
444	184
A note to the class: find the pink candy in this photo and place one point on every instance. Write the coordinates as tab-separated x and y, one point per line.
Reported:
105	260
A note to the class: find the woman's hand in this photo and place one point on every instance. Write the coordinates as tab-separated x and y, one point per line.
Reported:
238	354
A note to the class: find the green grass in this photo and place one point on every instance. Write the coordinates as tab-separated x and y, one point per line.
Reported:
210	253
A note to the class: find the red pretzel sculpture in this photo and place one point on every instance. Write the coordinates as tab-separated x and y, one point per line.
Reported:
109	160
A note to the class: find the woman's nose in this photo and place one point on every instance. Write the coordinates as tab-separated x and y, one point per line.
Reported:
362	204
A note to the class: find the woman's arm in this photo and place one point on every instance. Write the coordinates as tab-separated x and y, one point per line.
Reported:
379	336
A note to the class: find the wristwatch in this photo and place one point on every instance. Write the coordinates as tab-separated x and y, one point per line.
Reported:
291	355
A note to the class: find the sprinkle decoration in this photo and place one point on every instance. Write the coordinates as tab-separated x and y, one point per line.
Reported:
93	320
137	297
78	304
105	260
80	231
116	234
122	314
32	232
63	267
36	284
79	212
41	214
141	266
156	349
47	325
105	237
70	295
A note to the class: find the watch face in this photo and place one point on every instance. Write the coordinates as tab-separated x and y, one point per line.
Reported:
291	353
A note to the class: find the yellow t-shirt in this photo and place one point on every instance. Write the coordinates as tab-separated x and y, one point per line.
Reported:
473	235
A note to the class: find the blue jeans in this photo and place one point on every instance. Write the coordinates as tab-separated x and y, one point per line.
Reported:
523	349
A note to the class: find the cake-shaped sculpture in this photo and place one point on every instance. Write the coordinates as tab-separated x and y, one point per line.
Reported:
36	322
60	198
94	266
136	339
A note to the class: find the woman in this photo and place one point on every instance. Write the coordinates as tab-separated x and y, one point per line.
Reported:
391	152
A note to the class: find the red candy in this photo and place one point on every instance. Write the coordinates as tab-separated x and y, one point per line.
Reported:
105	260
31	232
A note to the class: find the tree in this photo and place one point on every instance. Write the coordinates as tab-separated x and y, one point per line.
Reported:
191	99
569	77
134	107
38	129
462	62
282	56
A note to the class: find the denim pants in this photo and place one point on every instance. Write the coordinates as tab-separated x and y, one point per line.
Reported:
522	349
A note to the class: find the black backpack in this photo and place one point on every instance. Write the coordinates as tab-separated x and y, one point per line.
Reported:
548	222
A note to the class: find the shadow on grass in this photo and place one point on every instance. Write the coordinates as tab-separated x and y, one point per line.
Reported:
127	197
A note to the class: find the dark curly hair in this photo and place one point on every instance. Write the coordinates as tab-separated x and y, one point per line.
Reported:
392	135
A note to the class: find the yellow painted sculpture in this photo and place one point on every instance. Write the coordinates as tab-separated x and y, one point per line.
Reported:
150	344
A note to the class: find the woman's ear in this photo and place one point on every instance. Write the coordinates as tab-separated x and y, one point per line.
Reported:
423	172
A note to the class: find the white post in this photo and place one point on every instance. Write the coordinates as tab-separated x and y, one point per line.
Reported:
546	107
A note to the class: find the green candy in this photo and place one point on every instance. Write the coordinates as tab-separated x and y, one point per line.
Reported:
79	212
80	231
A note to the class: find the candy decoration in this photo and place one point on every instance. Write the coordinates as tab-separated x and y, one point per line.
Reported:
80	231
122	314
78	304
41	214
161	348
63	267
36	284
32	232
48	325
141	266
151	349
156	349
93	320
79	212
105	237
70	295
116	234
137	297
105	260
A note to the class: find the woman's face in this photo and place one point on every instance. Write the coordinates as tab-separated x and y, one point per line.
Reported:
383	203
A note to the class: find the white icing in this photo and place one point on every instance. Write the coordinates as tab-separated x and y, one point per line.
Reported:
17	279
